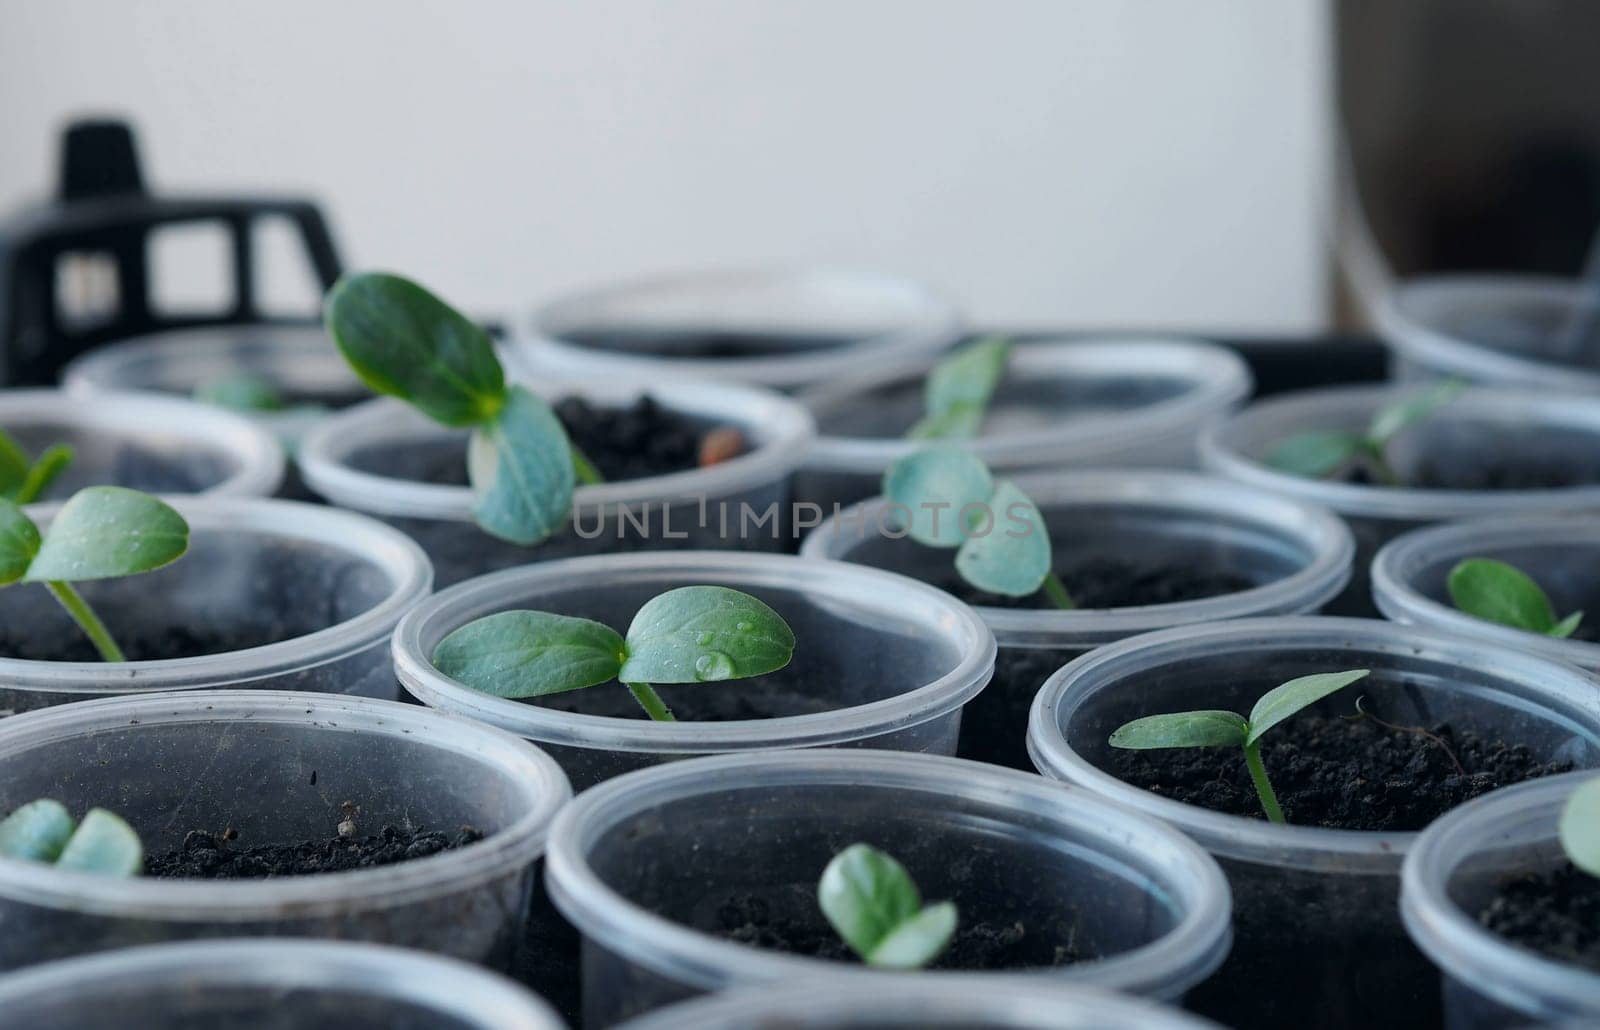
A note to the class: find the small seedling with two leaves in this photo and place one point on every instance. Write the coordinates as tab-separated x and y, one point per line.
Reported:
695	634
1579	827
103	532
1498	591
24	480
947	498
1318	455
43	831
403	341
1213	728
248	393
956	393
875	907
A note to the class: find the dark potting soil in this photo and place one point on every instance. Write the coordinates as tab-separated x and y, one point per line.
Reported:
788	919
1342	773
1523	474
706	343
635	442
207	855
1556	914
994	725
1109	582
692	702
166	642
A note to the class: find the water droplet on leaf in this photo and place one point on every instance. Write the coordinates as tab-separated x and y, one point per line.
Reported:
713	665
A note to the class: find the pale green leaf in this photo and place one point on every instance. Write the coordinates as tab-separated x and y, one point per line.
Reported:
1285	700
1206	728
520	465
529	654
14	466
1013	556
19	542
109	531
702	634
957	391
1314	455
1392	419
918	940
36	832
934	487
1499	592
1567	626
103	843
51	464
1579	827
873	904
243	392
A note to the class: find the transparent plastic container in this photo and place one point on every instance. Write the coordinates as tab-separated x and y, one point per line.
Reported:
277	766
1061	403
264	983
1296	555
303	597
778	327
155	444
1513	429
299	361
881	661
1560	552
1454	870
1508	330
373	457
1317	934
642	864
998	1003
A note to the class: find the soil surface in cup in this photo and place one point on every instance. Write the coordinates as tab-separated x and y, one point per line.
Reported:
1523	474
213	855
635	442
729	701
788	919
1106	581
153	644
1556	914
707	343
1345	773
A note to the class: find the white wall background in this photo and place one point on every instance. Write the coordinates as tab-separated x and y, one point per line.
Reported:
1052	162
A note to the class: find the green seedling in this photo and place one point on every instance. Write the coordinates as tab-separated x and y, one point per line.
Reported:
24	480
103	532
698	634
243	392
947	498
875	907
1229	729
1579	828
403	341
957	391
1317	455
1497	591
43	831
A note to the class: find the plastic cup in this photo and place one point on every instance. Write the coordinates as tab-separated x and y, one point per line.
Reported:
1062	403
368	457
1454	870
1501	425
881	661
1560	552
1508	330
1318	940
993	1003
309	985
1297	555
779	327
277	766
154	444
640	863
331	584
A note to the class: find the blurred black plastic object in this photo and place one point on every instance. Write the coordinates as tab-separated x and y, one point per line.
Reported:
76	272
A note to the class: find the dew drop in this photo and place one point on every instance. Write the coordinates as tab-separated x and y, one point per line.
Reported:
713	665
705	638
742	627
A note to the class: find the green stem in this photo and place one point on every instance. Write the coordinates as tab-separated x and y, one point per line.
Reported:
1258	776
85	617
650	701
587	474
1379	462
43	472
1057	592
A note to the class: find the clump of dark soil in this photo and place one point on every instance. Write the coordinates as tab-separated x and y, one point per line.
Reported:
1556	914
1111	582
788	919
1529	474
643	439
1342	773
207	855
164	643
